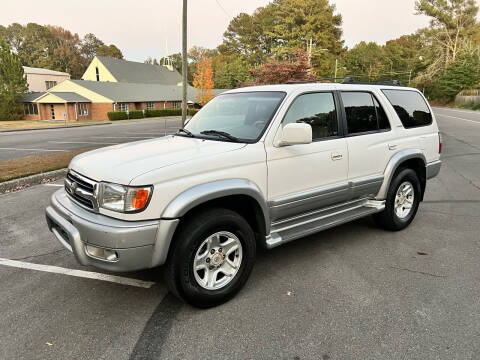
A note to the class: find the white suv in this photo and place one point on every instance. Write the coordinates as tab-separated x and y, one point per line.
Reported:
257	166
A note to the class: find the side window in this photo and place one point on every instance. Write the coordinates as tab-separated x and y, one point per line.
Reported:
360	111
316	109
410	106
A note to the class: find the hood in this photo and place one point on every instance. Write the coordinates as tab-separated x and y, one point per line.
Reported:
122	163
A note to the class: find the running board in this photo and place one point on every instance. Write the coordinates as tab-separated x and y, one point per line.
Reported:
299	226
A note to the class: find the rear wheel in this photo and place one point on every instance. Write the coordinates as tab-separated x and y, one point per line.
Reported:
212	257
402	201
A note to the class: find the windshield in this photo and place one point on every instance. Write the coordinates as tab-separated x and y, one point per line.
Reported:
244	116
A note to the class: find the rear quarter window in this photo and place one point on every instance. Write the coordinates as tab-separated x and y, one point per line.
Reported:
410	106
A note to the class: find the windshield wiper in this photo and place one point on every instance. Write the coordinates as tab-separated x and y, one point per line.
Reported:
221	133
185	131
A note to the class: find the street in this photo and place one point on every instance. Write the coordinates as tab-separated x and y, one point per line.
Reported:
352	292
15	144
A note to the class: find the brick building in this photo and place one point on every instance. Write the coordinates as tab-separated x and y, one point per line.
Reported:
109	85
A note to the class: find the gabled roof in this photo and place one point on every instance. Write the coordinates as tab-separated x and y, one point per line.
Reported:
134	72
131	92
32	70
61	97
32	96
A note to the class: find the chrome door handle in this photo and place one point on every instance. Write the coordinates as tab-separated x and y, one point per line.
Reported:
392	146
336	156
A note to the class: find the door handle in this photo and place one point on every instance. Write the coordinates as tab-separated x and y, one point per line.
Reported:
392	146
336	156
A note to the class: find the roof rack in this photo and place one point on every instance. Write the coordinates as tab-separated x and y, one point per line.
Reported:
350	80
346	80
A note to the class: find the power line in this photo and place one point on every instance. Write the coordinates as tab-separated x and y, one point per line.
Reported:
223	9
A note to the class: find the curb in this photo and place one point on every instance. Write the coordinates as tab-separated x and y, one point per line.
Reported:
21	183
54	127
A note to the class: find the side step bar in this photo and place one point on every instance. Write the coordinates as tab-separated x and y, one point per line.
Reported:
299	226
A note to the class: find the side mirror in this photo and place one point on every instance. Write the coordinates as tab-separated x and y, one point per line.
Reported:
296	133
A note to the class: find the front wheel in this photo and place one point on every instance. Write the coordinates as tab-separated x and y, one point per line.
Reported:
402	201
212	257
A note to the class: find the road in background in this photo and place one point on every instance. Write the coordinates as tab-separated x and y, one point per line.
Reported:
352	292
16	144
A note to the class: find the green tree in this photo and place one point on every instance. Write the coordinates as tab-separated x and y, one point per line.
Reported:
284	26
230	71
462	74
110	51
90	45
364	61
452	22
12	84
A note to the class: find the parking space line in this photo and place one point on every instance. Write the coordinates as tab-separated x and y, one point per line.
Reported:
27	149
78	273
59	185
82	142
122	137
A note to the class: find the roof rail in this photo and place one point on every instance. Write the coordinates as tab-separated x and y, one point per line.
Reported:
346	80
350	80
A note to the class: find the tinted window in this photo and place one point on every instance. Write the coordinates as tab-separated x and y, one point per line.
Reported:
318	110
360	111
410	107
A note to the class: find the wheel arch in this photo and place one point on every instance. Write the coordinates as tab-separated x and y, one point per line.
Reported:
409	158
240	195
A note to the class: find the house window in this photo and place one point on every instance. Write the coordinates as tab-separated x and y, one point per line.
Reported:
30	109
176	104
97	73
50	84
82	109
123	107
150	106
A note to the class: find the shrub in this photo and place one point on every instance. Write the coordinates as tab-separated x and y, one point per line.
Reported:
135	114
117	115
168	112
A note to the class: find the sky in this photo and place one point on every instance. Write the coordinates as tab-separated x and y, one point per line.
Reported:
140	28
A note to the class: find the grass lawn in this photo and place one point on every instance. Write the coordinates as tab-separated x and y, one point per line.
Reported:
17	168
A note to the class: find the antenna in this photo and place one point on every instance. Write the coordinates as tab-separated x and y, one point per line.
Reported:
167	61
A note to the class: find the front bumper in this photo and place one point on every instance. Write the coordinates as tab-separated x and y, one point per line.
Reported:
136	244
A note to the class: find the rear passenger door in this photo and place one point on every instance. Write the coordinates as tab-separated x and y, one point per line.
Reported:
370	141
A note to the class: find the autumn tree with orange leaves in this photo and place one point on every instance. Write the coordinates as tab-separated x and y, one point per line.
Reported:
203	81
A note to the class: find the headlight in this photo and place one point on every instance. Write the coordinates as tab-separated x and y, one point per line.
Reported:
122	198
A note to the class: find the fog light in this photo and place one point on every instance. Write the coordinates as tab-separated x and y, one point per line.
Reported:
101	253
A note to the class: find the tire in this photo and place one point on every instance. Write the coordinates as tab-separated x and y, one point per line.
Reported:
221	230
393	218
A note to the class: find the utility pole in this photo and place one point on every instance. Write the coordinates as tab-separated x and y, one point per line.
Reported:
184	63
336	69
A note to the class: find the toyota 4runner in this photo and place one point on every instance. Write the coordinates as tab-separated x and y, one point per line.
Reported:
257	166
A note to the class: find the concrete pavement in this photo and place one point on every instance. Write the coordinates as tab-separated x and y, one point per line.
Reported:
353	292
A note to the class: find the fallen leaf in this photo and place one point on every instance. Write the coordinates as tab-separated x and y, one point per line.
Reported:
49	344
289	293
421	253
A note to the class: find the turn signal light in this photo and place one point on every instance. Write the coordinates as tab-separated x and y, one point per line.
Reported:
140	198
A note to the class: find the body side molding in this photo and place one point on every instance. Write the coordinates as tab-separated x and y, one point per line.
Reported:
199	194
392	166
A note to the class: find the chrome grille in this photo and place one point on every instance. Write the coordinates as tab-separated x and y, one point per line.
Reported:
81	189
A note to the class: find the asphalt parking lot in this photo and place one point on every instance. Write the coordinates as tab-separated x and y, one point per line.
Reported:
353	292
16	144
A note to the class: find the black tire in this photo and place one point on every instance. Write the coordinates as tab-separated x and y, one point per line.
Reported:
193	230
388	219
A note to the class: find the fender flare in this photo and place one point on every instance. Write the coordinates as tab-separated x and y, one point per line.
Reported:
393	165
202	193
